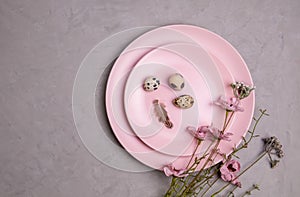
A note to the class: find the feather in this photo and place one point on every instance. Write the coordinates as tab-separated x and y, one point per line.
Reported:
162	114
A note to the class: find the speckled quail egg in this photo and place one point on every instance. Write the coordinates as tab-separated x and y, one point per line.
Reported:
176	81
151	83
183	101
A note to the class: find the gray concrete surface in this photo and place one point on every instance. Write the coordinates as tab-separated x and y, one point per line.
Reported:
42	44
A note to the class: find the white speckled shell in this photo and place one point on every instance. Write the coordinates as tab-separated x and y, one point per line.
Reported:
151	83
176	81
184	101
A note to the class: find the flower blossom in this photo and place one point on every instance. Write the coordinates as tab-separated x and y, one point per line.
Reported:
217	134
209	132
225	136
241	90
273	147
199	133
232	104
229	170
170	170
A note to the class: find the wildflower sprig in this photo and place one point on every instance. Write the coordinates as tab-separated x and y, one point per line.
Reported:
273	148
195	181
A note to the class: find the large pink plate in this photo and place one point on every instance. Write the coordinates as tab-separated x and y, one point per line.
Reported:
222	53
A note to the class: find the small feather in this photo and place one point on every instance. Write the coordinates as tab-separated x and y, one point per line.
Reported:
161	113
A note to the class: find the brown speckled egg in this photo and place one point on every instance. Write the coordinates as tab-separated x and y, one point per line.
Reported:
183	101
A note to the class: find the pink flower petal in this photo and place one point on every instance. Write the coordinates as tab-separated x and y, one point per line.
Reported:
199	133
231	104
229	170
170	170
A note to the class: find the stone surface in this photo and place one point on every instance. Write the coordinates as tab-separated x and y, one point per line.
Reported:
42	44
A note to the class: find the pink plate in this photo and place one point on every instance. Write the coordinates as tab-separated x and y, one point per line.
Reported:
188	60
222	53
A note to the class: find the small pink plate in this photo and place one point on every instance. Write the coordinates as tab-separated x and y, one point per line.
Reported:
196	66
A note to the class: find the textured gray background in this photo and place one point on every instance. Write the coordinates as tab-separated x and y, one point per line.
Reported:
42	44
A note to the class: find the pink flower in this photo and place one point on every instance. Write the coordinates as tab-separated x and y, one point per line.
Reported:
229	171
217	134
225	136
231	104
199	133
208	131
170	170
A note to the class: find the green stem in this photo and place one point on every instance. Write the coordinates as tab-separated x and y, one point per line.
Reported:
248	192
193	182
173	183
231	192
169	192
198	144
210	186
204	155
231	115
259	158
209	177
226	116
245	145
199	173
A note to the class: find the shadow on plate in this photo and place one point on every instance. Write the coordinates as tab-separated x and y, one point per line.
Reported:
100	104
